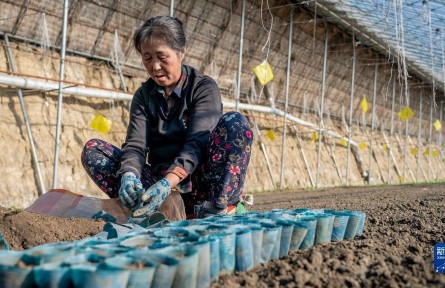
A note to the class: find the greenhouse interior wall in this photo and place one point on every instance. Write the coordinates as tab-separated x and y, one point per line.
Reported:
384	149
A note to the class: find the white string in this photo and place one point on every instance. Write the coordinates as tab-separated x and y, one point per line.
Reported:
116	53
400	35
426	3
269	31
44	35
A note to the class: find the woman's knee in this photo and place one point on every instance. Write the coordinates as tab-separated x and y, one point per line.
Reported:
89	146
237	124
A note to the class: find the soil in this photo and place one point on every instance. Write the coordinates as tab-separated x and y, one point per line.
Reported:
396	249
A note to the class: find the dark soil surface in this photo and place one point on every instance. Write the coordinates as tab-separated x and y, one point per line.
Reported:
23	229
396	249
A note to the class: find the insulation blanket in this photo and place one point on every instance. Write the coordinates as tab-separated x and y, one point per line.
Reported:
66	204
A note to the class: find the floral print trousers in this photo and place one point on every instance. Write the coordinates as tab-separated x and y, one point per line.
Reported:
218	179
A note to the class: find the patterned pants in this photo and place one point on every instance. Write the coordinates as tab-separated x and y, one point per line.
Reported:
219	178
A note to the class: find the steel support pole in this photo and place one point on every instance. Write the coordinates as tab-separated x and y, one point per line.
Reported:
374	96
172	6
351	102
35	159
60	97
430	136
440	119
240	59
289	54
406	136
323	88
391	125
439	141
419	135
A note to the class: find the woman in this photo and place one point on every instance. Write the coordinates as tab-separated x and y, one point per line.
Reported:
177	137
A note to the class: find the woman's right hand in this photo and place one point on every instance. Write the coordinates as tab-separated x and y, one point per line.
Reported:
130	189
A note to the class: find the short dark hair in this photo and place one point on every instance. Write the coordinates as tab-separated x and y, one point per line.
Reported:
164	27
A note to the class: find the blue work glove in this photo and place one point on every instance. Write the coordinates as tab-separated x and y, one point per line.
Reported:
152	198
130	189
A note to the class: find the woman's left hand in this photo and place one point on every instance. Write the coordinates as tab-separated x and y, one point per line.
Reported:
154	195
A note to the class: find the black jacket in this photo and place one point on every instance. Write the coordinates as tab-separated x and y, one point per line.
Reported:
176	141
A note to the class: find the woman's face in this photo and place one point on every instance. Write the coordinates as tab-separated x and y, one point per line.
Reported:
162	63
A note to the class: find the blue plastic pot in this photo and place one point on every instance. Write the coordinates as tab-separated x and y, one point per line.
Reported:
13	271
243	250
52	275
323	232
104	250
270	238
165	269
88	258
287	228
89	275
214	242
298	234
309	238
353	224
227	251
339	227
141	269
176	232
257	242
204	262
227	238
139	241
47	253
117	230
361	224
187	271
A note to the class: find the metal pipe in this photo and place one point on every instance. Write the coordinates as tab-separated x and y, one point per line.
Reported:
26	83
439	141
419	133
240	59
406	135
323	88
60	96
440	119
374	96
391	125
172	6
286	105
35	159
430	136
351	102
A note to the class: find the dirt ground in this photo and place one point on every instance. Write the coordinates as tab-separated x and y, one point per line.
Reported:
396	249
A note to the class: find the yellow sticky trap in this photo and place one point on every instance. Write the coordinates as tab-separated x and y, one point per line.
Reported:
385	147
101	124
343	142
426	152
361	146
401	178
414	151
435	153
437	125
405	113
271	135
263	72
364	104
314	136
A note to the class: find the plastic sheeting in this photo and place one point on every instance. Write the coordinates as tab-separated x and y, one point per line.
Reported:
66	204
